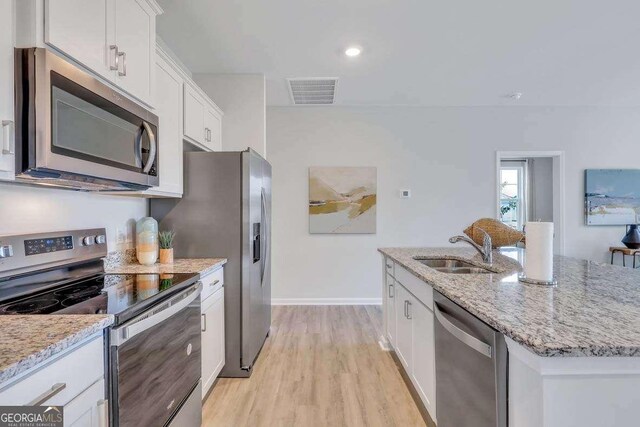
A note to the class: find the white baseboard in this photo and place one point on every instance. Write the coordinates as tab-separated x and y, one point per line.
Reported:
326	301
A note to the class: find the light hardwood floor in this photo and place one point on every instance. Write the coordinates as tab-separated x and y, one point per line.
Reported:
321	366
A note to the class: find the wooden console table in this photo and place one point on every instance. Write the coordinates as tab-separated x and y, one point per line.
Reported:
624	251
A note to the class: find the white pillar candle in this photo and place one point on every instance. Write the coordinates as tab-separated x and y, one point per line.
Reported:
538	262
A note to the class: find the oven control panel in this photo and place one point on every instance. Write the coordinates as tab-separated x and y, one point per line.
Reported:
20	254
42	246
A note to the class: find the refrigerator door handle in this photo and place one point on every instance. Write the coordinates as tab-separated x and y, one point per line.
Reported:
265	232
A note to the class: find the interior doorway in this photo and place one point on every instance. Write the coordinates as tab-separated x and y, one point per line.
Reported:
530	187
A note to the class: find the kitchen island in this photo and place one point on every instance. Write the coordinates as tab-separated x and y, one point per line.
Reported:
573	349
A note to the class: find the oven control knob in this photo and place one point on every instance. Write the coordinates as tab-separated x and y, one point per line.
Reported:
101	239
89	240
6	251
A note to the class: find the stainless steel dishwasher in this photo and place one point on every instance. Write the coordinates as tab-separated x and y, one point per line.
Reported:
471	369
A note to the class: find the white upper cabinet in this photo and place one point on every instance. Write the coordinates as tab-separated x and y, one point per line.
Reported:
82	34
202	119
213	129
7	136
194	128
113	38
169	111
135	39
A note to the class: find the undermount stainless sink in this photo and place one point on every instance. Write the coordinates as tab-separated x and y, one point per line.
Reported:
452	266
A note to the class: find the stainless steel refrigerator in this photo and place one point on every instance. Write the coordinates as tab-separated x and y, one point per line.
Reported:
225	211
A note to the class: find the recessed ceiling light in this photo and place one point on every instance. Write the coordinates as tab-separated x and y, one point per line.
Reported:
353	51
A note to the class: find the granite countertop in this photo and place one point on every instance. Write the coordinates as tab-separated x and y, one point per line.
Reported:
126	263
28	340
593	311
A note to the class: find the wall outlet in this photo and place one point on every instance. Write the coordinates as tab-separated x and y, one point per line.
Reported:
405	194
121	235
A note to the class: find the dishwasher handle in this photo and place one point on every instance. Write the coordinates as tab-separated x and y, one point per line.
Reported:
465	338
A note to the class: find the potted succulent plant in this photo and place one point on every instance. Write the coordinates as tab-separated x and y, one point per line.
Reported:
165	238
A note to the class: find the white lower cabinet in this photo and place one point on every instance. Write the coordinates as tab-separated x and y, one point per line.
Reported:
390	315
424	357
212	338
410	331
403	327
88	409
74	380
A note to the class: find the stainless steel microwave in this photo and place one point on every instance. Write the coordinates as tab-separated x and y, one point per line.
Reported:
74	131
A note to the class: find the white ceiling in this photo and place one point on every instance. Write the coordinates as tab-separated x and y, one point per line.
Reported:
420	52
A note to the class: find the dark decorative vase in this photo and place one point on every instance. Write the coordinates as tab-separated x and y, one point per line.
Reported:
632	238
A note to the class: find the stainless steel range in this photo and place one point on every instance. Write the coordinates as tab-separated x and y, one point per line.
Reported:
153	359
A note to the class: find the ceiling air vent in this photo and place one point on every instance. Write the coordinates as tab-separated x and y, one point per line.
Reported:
313	91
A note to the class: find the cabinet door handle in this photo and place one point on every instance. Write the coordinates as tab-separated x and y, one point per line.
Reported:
8	141
409	310
405	308
124	64
215	282
114	48
204	322
55	389
391	291
103	410
389	266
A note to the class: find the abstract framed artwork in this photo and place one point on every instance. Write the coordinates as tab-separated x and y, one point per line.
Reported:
342	200
612	196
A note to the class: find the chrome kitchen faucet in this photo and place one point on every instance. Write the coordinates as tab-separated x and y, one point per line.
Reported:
484	250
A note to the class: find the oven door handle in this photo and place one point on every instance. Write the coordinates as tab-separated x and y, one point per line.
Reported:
146	321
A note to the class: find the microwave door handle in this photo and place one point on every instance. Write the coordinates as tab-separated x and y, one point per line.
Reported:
152	151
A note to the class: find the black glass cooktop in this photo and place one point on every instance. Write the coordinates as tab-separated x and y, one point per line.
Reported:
123	295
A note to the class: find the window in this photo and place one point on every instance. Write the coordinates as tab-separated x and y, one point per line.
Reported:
513	209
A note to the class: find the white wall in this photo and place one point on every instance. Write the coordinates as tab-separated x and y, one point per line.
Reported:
26	209
242	98
446	156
